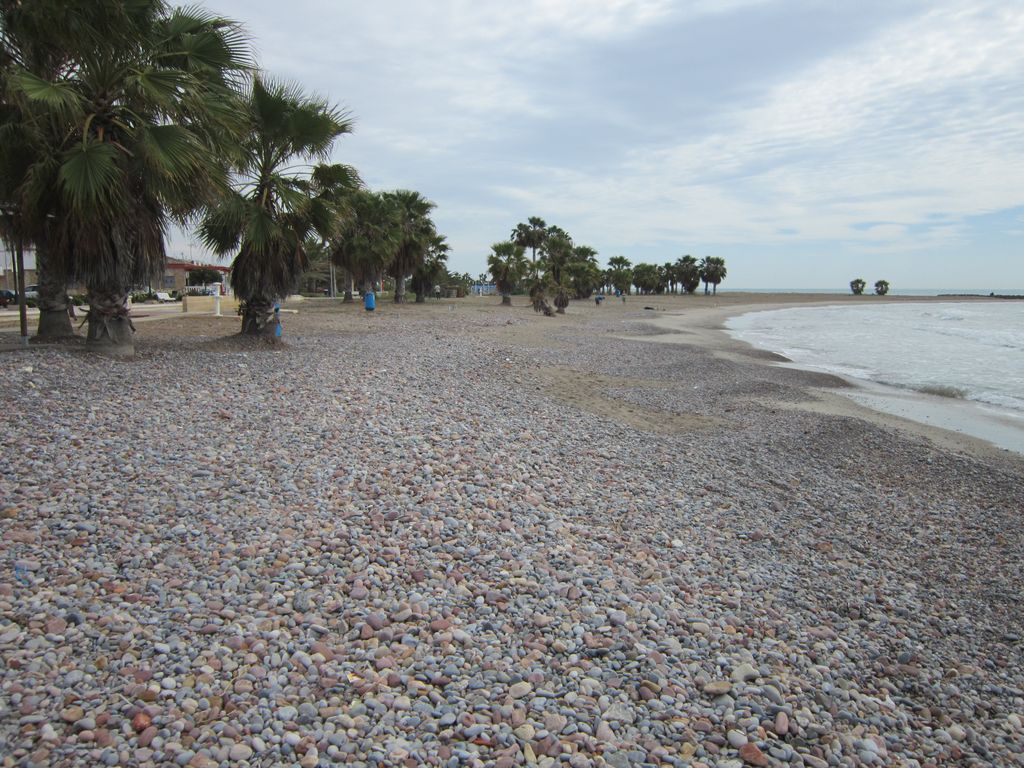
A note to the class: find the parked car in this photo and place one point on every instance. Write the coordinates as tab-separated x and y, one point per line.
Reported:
32	291
7	297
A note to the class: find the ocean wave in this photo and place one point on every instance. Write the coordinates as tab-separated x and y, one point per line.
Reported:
943	390
968	352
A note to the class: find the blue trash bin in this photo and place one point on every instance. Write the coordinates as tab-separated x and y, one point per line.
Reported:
369	302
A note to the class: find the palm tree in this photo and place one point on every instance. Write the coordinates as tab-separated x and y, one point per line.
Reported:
507	265
275	207
531	235
688	273
646	277
881	287
668	273
39	41
583	273
433	269
857	286
620	273
415	235
558	255
123	120
712	272
367	239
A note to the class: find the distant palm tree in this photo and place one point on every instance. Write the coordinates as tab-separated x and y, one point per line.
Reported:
583	274
507	264
558	255
433	269
646	278
620	273
531	235
857	286
275	206
881	287
415	234
712	271
367	240
688	273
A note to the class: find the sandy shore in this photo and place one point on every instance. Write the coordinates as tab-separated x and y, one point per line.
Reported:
462	534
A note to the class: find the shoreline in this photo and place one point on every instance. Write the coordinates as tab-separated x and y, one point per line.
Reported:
955	424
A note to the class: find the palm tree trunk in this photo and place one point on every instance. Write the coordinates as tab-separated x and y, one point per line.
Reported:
111	331
400	290
506	300
349	288
258	318
54	318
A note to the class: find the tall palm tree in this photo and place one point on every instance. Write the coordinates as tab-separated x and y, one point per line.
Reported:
507	264
274	205
712	272
415	234
558	255
367	239
531	235
121	130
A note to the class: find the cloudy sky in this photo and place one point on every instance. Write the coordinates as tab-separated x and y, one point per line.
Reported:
807	142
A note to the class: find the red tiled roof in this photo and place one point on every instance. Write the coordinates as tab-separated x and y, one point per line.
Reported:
179	264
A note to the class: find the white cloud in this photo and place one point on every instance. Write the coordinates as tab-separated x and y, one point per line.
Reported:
925	118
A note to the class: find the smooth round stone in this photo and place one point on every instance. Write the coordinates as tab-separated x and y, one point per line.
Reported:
736	739
240	751
717	687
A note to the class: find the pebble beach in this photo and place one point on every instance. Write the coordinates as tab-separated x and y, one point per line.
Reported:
467	535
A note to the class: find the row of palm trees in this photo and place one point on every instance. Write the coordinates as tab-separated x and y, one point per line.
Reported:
567	270
682	276
117	119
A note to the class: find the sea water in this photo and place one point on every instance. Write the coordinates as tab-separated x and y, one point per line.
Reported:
972	351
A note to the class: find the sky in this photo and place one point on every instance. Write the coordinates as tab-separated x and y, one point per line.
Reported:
806	142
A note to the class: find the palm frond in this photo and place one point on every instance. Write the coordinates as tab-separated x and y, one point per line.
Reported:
159	86
61	97
90	175
224	224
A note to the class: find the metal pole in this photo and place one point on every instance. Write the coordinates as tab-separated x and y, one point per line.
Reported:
22	308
